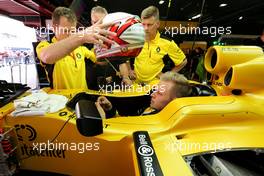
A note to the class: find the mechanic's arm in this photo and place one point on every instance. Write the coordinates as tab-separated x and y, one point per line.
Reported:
176	68
124	71
132	74
180	66
58	50
177	56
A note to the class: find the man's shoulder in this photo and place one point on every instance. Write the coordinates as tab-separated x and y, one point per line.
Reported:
42	44
165	37
165	40
82	49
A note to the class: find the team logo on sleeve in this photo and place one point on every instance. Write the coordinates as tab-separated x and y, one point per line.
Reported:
158	49
78	55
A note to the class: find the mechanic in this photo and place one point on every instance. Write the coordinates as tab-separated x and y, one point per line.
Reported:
108	73
63	57
172	85
157	50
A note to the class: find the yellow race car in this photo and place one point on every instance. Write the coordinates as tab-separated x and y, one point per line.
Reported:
217	131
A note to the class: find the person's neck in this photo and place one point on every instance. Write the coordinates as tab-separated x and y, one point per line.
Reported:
151	37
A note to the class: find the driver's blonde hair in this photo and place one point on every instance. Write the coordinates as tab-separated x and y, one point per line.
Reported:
181	88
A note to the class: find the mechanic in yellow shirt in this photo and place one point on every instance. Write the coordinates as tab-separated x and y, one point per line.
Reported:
149	63
64	57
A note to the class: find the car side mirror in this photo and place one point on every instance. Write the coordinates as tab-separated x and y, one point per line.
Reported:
89	122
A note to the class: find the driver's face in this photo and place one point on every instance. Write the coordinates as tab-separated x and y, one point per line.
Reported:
163	95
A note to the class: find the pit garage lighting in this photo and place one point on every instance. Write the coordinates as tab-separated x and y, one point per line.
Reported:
222	5
161	1
196	16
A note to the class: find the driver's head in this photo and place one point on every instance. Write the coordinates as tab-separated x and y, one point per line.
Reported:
172	85
64	22
97	13
150	22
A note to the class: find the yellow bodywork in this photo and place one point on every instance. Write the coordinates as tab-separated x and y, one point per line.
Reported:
186	126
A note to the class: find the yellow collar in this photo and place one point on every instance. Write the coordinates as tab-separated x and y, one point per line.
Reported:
157	37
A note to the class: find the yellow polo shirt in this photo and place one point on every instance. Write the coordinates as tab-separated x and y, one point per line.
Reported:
68	72
149	63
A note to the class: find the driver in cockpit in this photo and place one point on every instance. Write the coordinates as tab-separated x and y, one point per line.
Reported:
172	85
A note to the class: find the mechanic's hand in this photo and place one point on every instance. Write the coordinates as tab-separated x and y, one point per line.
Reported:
97	34
100	110
132	75
126	81
104	103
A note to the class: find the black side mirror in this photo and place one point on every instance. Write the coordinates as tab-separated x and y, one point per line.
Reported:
89	121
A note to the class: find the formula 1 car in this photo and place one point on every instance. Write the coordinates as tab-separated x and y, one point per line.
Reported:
217	131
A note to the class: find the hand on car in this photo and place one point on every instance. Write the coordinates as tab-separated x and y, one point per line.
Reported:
104	103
